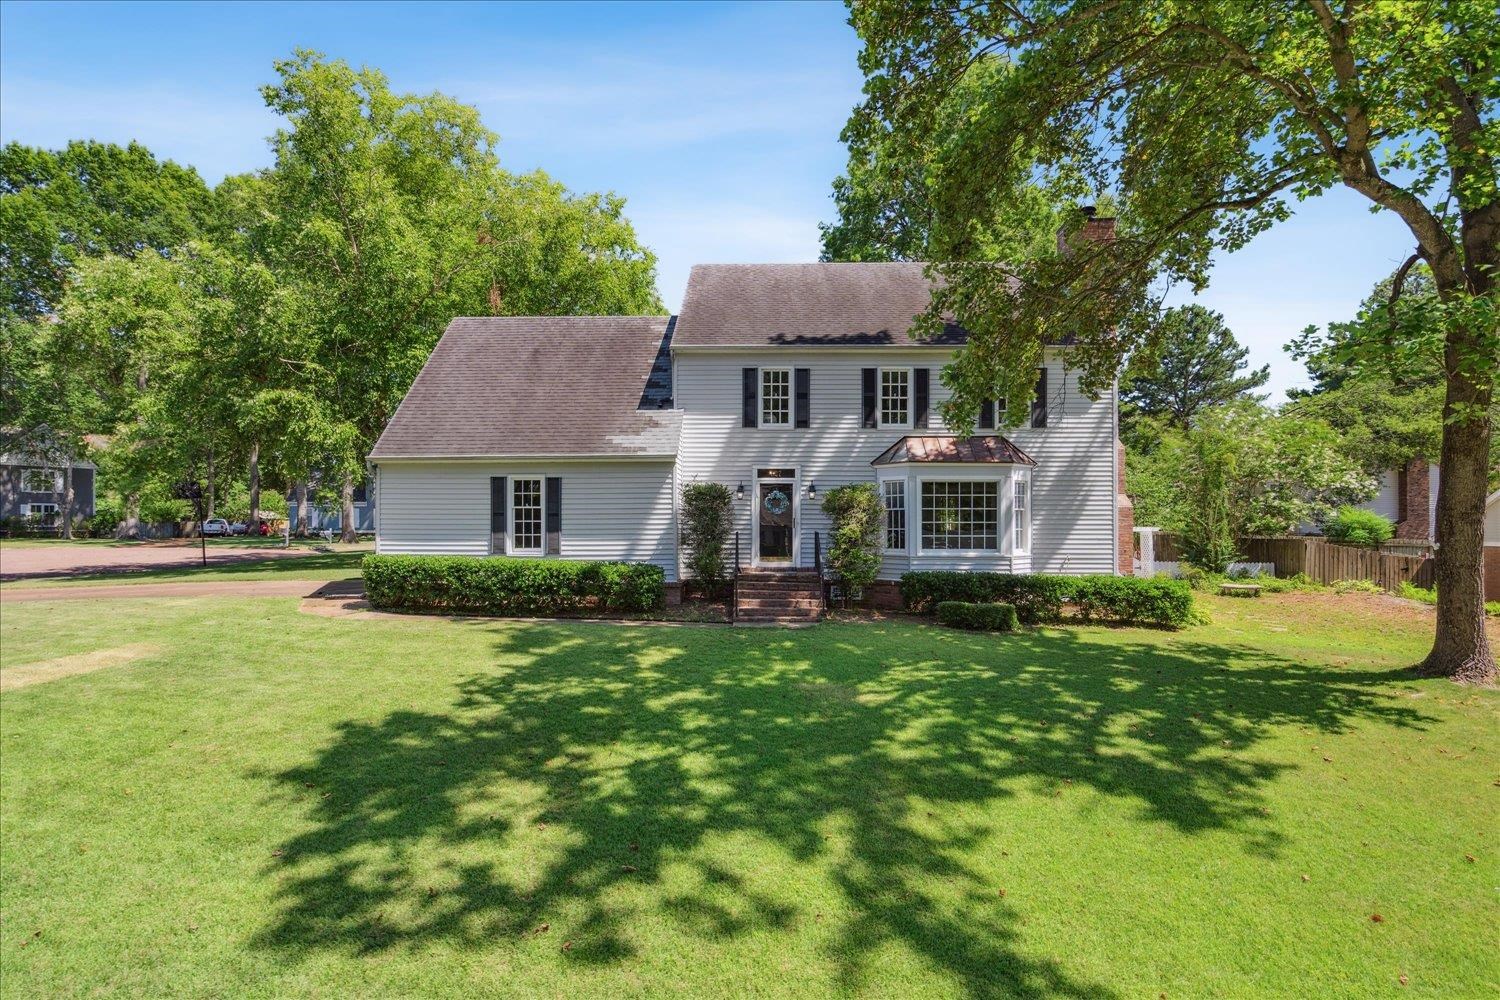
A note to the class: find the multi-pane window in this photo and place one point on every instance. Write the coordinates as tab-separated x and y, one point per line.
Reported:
895	397
1023	515
960	515
893	492
526	516
775	397
41	481
41	509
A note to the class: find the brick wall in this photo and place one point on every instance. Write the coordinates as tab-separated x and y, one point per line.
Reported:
1125	544
1412	501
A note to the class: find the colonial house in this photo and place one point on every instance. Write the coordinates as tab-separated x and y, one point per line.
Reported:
574	436
33	487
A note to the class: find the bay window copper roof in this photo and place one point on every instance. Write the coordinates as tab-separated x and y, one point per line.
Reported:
976	449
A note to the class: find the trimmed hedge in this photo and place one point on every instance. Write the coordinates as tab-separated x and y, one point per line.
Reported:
1039	597
1036	597
502	585
981	617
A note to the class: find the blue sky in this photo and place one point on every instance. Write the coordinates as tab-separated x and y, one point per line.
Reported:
718	122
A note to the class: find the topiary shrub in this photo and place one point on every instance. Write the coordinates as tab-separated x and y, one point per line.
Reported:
981	617
858	517
501	585
1357	526
707	519
1157	600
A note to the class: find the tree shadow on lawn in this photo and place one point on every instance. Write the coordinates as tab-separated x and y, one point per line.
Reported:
851	750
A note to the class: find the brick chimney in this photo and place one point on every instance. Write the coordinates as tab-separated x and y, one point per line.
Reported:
1413	494
1095	228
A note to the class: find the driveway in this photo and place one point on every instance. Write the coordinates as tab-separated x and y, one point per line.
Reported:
62	559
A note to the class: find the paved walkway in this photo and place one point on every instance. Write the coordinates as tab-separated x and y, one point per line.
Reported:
64	560
322	589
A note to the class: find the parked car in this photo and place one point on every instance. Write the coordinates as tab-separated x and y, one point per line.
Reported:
216	526
238	528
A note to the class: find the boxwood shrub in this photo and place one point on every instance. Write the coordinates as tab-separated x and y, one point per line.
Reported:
502	585
1039	597
1035	596
982	616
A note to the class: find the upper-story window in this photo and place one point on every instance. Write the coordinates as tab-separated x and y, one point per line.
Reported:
895	397
41	481
775	397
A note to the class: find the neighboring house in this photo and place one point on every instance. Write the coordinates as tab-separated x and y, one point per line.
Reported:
573	436
1492	547
33	488
330	517
1408	499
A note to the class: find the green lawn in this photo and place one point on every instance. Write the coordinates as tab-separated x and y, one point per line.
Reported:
263	803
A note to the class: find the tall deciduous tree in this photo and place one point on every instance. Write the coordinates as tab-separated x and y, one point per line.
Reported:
1205	117
88	199
1200	365
390	212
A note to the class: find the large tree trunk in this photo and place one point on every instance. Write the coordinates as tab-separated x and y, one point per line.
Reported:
67	504
132	525
1461	650
254	522
302	510
349	534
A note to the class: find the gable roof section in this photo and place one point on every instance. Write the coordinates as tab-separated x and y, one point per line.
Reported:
533	386
977	449
806	305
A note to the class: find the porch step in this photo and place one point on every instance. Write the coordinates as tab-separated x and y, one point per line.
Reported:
779	598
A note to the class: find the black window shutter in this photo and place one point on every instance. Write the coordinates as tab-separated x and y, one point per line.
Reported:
1039	401
751	380
987	415
497	515
919	392
553	488
802	394
868	378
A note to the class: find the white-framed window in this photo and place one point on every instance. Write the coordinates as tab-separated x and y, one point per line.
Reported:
775	397
1023	514
893	494
41	481
895	397
526	516
960	515
40	509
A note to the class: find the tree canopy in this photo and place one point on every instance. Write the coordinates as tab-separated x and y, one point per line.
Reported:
1208	120
1198	365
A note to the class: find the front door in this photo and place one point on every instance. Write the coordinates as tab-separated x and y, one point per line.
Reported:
778	522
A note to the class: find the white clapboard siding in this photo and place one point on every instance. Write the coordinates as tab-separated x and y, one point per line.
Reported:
1385	501
1073	495
610	509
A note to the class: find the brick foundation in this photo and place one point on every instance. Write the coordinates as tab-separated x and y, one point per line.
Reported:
883	595
674	594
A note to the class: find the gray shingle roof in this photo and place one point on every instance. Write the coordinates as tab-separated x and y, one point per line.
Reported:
534	386
817	305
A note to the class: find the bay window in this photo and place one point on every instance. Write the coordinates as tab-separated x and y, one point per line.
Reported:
893	494
960	515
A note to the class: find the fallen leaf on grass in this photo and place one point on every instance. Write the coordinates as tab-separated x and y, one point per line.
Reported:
1402	979
1376	918
627	868
1307	878
567	946
1469	858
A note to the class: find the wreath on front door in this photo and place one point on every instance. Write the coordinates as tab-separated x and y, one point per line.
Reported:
776	502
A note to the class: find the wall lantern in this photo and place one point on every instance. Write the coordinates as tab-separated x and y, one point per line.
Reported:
812	490
739	491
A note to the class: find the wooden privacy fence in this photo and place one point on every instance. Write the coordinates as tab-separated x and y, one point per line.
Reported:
1322	560
1326	562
